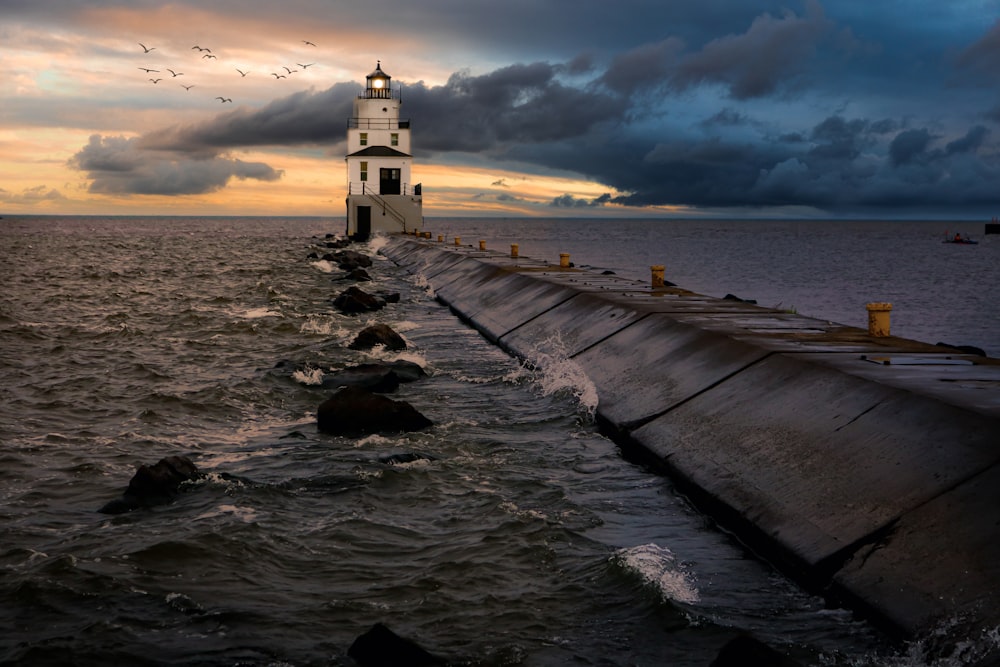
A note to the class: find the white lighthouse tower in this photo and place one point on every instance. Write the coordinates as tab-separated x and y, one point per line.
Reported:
381	195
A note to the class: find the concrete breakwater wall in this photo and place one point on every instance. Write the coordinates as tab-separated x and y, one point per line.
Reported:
866	467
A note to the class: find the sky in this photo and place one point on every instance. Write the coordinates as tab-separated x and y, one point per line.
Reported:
572	108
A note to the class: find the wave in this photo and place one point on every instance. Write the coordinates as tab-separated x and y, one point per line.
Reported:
549	366
657	567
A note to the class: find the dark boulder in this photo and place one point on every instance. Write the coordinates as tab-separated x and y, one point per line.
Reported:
373	377
154	485
358	274
354	300
378	334
381	647
352	259
381	377
357	411
404	458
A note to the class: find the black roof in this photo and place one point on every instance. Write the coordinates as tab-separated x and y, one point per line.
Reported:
379	151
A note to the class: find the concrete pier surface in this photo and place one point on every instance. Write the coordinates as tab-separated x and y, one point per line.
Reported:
864	466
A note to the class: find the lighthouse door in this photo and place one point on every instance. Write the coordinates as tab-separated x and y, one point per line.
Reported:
389	181
364	229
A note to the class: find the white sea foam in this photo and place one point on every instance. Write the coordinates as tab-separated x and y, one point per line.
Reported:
258	313
554	371
325	266
323	325
659	569
309	376
377	242
421	282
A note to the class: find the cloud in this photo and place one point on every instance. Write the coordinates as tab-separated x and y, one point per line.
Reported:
31	196
569	201
119	165
753	64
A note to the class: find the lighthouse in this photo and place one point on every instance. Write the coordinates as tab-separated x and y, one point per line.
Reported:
381	195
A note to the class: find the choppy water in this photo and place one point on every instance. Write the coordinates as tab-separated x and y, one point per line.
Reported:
523	538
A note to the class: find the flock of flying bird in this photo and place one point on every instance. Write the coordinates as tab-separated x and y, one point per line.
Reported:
206	54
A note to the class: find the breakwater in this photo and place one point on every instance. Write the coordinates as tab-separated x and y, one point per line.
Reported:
865	466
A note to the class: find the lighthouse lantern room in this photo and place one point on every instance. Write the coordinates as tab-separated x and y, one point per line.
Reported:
381	195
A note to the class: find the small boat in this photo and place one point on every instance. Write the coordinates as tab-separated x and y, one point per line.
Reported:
961	240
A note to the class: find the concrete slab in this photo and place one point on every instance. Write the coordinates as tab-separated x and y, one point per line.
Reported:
949	549
569	328
657	363
813	460
965	381
497	300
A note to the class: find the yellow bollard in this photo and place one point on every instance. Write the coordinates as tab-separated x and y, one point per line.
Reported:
878	319
564	259
458	240
482	244
513	250
440	238
657	275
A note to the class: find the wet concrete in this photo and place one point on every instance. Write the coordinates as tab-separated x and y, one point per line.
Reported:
867	467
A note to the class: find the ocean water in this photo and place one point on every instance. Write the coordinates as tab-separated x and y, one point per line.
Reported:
520	536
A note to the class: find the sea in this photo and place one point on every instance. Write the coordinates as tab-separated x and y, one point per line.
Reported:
511	532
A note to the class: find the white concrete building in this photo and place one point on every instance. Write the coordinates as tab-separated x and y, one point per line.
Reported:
381	195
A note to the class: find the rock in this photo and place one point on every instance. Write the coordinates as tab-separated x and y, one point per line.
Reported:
403	458
382	377
359	275
378	334
357	411
373	377
353	301
352	259
154	485
744	650
390	297
381	647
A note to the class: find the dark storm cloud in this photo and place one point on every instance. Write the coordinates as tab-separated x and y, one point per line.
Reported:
751	64
117	165
759	61
299	119
983	56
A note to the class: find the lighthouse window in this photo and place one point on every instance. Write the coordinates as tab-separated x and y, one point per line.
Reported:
394	138
364	138
364	171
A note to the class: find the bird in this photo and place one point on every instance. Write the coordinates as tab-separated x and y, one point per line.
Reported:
187	87
290	70
305	41
242	73
175	73
224	99
147	70
145	48
278	76
208	55
305	66
200	49
156	80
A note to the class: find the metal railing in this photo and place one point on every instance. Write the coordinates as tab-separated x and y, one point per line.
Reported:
378	123
367	188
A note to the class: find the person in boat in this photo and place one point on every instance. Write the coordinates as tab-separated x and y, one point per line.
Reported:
958	237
